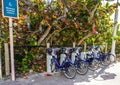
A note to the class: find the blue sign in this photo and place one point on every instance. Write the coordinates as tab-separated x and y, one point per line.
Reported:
10	8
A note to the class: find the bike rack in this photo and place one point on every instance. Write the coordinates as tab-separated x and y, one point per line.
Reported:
63	56
73	57
49	57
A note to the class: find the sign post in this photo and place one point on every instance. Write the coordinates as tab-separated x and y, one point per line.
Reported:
0	55
11	49
10	10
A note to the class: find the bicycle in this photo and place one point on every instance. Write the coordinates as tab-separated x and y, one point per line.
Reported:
104	58
92	60
80	64
67	67
98	58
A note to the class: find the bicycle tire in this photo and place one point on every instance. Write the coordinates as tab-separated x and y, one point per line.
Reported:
70	73
82	69
94	65
107	60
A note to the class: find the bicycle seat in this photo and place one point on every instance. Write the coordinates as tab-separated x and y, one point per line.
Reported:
49	50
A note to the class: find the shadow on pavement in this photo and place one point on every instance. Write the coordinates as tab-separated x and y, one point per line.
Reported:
107	76
99	74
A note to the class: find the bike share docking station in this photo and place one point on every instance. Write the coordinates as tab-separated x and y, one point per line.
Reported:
62	56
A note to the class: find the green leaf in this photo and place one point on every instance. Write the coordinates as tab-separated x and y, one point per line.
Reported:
33	1
93	39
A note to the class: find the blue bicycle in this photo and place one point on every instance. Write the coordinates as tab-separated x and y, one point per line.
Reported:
67	67
80	64
93	62
96	57
104	58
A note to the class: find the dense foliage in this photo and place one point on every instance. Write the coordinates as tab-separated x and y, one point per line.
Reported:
61	22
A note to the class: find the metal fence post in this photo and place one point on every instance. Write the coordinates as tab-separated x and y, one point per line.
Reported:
73	53
48	60
106	46
83	54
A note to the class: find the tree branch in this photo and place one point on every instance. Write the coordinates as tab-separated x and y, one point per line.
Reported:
55	31
85	7
88	35
93	11
45	34
85	37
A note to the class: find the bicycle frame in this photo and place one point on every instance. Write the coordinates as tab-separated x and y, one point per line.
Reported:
78	58
64	63
99	57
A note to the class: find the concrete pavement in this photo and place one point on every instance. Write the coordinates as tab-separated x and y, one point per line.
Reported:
103	76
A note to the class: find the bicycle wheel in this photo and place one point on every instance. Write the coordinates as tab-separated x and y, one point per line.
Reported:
82	68
107	59
93	65
70	72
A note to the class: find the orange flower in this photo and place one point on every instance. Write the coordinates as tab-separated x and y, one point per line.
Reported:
53	16
76	25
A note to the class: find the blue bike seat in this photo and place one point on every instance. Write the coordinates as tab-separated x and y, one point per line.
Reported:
49	50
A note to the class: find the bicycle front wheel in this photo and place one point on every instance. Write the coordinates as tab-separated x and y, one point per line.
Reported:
93	65
107	59
70	72
82	68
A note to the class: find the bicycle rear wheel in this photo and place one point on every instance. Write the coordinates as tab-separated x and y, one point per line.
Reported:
70	72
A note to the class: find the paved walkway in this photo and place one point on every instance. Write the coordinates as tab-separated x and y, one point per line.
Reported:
103	76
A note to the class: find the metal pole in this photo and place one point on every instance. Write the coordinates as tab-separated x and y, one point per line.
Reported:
48	59
11	49
74	44
0	58
114	33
